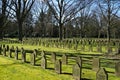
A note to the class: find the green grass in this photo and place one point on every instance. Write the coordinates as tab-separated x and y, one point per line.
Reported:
11	69
16	70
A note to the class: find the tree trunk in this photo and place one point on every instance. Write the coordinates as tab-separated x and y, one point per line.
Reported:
60	31
1	34
108	33
20	31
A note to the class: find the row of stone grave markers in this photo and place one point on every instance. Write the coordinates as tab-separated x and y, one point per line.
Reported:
76	43
77	68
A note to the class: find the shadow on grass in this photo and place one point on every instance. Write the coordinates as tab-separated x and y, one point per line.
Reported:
37	65
66	73
50	68
85	79
111	72
87	68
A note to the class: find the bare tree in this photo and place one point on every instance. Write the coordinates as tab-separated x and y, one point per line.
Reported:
3	15
109	9
65	10
21	8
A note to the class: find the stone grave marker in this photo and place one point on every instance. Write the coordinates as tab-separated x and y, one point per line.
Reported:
90	48
79	60
42	53
16	53
10	53
64	59
4	51
53	57
0	49
7	48
96	64
58	66
23	55
117	69
99	48
44	62
101	74
77	70
33	55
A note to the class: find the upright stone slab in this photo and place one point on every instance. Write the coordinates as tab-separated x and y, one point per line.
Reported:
16	53
101	74
99	48
42	53
83	47
4	51
96	64
7	48
44	62
117	69
12	48
10	53
58	66
23	55
35	52
33	55
77	70
109	50
64	59
53	57
90	48
79	60
0	49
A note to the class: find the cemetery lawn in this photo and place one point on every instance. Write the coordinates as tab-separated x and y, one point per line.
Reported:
11	69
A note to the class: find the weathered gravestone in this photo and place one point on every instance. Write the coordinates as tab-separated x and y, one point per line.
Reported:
101	74
77	70
23	55
79	60
91	48
109	49
33	55
99	48
44	62
58	66
117	50
4	51
53	57
10	53
96	64
16	53
0	49
64	59
83	47
42	53
7	48
117	69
